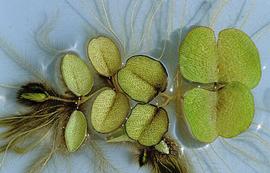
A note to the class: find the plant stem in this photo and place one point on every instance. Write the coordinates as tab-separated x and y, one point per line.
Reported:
62	99
88	97
115	83
167	98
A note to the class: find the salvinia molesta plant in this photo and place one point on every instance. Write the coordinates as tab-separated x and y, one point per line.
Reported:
226	70
141	79
51	113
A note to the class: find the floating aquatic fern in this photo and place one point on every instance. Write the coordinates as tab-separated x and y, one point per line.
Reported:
232	66
51	112
142	78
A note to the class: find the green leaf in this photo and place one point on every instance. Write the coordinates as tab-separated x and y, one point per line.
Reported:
163	147
239	58
200	113
37	97
76	131
233	58
235	109
147	124
225	113
104	55
198	56
142	78
109	111
76	75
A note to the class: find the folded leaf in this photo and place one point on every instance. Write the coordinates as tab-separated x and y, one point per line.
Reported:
36	97
109	111
142	78
147	124
76	75
104	55
75	131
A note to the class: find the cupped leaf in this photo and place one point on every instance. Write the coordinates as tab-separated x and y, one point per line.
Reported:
142	78
235	109
36	97
225	113
239	58
76	130
163	147
109	111
147	124
198	56
76	75
234	57
104	55
200	113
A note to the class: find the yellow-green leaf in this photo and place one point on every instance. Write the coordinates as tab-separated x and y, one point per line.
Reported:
239	58
198	56
75	131
109	111
142	78
37	97
104	55
147	124
76	75
200	113
163	147
235	109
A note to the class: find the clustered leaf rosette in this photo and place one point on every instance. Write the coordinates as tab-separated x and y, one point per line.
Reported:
79	80
232	65
142	78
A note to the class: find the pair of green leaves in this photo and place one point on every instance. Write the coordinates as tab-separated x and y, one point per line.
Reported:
147	124
141	79
79	80
232	61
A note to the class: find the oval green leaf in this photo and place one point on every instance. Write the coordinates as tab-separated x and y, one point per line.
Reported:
198	56
235	109
109	111
104	55
76	130
76	75
239	58
200	113
142	78
147	124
